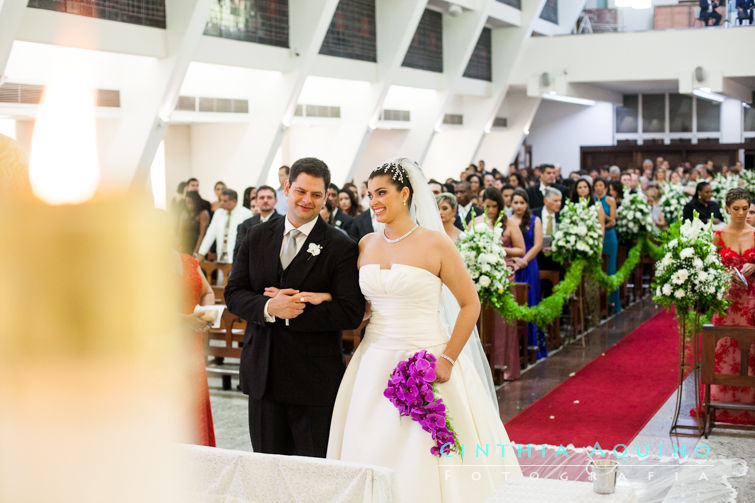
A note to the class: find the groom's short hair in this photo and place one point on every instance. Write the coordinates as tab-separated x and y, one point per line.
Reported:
311	166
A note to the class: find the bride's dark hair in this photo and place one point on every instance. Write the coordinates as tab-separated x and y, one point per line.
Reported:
397	174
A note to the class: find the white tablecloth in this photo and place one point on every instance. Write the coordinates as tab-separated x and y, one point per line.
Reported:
216	475
527	490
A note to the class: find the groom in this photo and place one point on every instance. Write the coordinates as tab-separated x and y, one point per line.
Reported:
292	363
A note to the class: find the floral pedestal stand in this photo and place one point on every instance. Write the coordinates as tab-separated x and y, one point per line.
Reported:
687	430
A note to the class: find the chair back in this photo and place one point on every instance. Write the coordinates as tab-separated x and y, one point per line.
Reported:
209	267
745	337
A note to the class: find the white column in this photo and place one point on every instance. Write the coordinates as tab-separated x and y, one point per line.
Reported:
396	22
460	36
732	121
148	99
270	113
11	13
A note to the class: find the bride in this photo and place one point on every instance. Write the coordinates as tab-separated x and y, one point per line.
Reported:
402	272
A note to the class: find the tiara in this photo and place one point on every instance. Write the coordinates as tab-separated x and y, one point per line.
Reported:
393	169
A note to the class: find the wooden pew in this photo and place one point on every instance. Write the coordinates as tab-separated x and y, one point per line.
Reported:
210	267
231	331
745	337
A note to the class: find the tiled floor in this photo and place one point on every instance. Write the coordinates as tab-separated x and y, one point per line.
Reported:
229	408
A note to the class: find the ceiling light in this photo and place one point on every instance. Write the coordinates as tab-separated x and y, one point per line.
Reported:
568	99
705	93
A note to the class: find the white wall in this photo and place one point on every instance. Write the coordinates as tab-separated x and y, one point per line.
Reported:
559	129
212	149
381	147
178	157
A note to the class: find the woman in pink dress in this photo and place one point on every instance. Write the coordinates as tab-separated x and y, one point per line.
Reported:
736	246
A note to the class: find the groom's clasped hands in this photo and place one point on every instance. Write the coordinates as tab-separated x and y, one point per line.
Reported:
288	303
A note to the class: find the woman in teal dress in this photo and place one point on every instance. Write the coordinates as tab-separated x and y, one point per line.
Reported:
610	241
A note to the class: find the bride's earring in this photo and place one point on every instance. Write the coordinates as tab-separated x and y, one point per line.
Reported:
404	202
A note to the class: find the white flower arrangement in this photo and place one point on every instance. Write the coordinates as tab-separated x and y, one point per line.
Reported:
579	235
483	254
721	185
673	201
633	218
748	181
690	274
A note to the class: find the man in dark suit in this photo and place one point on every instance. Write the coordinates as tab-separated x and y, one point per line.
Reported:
550	216
266	201
362	225
291	364
708	12
466	209
547	179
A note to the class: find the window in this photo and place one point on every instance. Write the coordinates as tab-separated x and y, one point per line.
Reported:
749	119
352	31
626	115
142	12
708	116
479	66
426	50
550	11
260	21
653	113
517	4
680	113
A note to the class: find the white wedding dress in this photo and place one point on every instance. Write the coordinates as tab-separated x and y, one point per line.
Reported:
367	428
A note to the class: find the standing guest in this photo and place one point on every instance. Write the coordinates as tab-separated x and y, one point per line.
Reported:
511	239
614	173
218	189
736	247
282	201
517	180
547	179
661	176
467	211
751	214
223	227
435	187
704	205
338	218
550	216
447	208
532	229
656	212
616	191
506	193
583	191
610	239
266	201
675	178
488	180
498	183
177	201
196	290
481	165
348	203
450	186
192	224
253	207
475	183
364	200
362	225
353	188
192	185
249	194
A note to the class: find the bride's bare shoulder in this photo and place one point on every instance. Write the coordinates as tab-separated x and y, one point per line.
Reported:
435	238
365	241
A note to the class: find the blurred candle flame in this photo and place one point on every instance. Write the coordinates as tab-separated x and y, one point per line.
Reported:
63	161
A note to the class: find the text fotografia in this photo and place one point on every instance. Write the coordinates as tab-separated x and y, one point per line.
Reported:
700	451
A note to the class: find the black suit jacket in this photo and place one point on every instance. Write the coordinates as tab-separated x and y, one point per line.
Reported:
301	363
341	220
473	212
361	226
544	262
244	227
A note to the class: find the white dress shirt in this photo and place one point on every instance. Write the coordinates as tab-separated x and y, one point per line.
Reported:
216	230
544	219
282	202
305	230
464	211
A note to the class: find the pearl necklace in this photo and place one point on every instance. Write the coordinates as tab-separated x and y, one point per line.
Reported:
416	226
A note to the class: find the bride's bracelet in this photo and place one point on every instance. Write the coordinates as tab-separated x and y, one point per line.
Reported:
446	357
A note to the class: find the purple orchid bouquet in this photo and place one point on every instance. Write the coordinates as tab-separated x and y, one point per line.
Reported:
411	389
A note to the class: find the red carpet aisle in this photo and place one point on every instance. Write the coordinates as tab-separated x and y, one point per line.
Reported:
610	399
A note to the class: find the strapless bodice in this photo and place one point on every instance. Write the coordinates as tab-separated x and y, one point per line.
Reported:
405	304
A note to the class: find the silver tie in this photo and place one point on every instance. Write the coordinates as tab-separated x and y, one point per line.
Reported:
289	252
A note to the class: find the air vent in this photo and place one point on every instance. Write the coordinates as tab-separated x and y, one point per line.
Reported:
500	122
212	105
454	119
396	115
326	111
30	94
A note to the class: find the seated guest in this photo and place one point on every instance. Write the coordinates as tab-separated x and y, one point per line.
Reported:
224	226
447	207
467	211
265	202
550	216
708	12
704	205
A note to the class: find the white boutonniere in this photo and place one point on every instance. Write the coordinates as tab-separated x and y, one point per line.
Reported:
314	250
